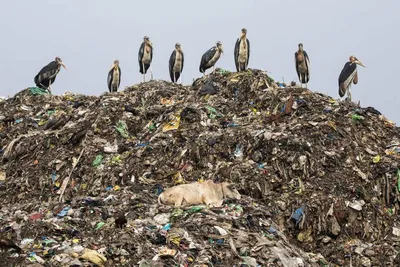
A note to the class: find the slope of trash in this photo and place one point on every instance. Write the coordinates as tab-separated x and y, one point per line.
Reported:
319	178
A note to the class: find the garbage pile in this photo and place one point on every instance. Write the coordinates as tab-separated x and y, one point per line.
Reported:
80	176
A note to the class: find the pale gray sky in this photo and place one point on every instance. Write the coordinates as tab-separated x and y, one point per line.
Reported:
89	34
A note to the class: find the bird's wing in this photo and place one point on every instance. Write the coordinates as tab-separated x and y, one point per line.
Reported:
141	52
347	71
208	55
236	53
297	65
355	79
307	64
172	60
171	64
346	76
183	60
47	71
119	80
109	79
248	52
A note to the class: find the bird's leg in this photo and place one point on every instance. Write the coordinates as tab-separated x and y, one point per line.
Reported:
349	93
174	78
144	73
306	85
151	72
180	79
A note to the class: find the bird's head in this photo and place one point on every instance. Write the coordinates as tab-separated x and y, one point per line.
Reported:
178	47
353	59
219	46
244	32
300	46
59	62
115	64
146	40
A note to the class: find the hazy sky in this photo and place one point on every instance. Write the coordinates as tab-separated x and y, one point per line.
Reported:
89	34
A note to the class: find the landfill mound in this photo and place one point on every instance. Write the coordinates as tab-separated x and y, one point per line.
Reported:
319	178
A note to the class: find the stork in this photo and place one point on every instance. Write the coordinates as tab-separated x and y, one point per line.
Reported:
242	51
47	75
176	61
114	77
210	57
348	75
145	57
302	65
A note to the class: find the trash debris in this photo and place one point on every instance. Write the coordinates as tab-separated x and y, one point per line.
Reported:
122	128
80	176
94	257
38	91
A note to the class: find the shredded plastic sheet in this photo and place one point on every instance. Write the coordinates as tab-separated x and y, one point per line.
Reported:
172	125
97	161
38	91
122	128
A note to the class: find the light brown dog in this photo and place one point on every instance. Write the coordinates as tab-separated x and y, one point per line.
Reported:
207	192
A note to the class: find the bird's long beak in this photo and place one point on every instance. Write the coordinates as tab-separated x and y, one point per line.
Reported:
359	63
113	66
63	65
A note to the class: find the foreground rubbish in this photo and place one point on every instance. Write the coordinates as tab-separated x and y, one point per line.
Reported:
80	177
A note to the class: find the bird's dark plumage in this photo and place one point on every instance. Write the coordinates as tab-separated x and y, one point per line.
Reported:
56	122
6	243
236	54
304	75
347	75
140	57
47	75
210	57
171	66
120	220
110	78
78	136
207	56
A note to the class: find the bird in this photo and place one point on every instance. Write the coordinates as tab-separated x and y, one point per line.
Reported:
120	220
59	120
348	75
114	77
6	243
79	135
176	61
210	57
145	57
47	75
302	65
242	51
